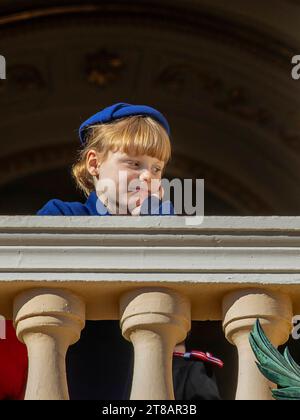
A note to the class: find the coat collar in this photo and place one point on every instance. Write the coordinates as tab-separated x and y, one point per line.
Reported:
95	205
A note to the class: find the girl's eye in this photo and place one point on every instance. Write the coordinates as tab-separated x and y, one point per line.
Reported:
157	170
133	163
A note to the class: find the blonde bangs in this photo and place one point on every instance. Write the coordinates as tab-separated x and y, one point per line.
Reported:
135	135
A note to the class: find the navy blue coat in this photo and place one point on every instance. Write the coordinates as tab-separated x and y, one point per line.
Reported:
56	207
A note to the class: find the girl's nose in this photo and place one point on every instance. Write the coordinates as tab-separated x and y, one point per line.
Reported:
145	175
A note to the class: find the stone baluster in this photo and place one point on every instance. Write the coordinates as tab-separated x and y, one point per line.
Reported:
154	320
240	310
48	321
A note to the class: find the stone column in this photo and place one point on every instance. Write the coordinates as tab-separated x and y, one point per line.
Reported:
48	321
240	311
154	320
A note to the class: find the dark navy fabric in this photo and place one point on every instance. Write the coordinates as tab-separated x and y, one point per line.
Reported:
121	110
56	207
194	380
92	207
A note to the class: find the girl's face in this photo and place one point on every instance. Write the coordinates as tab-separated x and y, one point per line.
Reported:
131	179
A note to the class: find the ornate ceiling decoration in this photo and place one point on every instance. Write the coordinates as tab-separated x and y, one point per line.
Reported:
103	67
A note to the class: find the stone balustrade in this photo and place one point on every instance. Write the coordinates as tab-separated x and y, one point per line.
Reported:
154	275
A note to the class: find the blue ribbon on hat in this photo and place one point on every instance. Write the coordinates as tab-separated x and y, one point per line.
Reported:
121	110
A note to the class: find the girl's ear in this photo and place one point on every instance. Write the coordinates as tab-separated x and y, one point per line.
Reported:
92	162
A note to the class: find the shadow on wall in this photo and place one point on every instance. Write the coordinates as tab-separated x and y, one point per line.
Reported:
208	336
99	365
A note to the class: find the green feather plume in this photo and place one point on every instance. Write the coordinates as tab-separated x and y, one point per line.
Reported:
280	369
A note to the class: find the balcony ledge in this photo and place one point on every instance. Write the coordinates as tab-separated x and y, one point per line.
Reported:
101	258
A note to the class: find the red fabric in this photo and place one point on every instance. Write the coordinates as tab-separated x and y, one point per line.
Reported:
13	365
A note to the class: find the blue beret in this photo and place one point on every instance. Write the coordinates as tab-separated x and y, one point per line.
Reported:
121	110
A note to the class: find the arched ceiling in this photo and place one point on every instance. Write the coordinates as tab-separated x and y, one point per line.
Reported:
220	72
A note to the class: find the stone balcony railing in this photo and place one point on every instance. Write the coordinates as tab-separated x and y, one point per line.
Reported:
155	275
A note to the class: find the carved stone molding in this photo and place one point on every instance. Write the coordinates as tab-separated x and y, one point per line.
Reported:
103	67
23	77
234	100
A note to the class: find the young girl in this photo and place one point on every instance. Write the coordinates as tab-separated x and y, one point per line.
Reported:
128	145
125	152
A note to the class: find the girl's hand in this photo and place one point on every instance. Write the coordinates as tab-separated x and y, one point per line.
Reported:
137	210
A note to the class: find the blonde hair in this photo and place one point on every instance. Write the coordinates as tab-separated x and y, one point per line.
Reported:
135	135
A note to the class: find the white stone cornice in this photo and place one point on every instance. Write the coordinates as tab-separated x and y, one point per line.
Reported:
220	224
